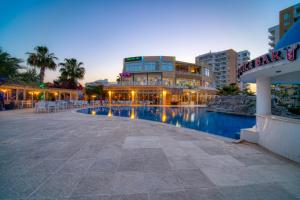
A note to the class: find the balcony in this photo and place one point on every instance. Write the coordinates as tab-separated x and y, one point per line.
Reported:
272	44
271	37
160	83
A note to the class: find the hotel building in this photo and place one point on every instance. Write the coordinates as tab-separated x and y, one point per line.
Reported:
224	65
162	80
287	18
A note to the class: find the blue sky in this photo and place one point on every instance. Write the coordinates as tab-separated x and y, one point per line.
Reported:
101	33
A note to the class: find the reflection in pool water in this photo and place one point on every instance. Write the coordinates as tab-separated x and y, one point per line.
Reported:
190	117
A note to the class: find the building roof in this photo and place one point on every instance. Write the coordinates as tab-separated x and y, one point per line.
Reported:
290	37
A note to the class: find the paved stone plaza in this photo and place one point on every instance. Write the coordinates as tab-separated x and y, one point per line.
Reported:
70	155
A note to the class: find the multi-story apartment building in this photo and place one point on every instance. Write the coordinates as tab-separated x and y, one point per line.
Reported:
287	18
224	65
149	78
274	36
243	56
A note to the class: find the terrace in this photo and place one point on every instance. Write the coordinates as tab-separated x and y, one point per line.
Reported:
70	155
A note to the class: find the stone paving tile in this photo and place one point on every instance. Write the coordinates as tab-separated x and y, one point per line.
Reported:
260	159
233	176
21	186
76	166
104	165
141	142
58	186
256	192
293	187
218	161
111	152
134	164
129	183
162	182
156	161
90	197
277	173
168	196
193	178
130	197
132	160
48	166
74	156
20	166
204	194
94	184
182	162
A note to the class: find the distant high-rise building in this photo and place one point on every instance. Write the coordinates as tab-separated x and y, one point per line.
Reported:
274	36
287	18
224	65
243	56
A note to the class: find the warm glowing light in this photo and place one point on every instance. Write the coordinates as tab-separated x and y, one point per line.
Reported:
173	114
94	96
56	94
164	93
3	90
132	114
36	92
109	93
252	87
164	117
132	96
109	113
93	112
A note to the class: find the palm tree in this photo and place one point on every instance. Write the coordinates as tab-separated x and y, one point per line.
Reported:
42	59
71	71
9	65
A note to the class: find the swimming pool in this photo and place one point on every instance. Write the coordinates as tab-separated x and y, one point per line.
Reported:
190	117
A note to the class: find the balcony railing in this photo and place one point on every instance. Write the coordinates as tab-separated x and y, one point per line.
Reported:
188	73
178	86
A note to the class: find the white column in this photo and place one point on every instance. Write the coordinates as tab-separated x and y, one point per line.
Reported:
263	96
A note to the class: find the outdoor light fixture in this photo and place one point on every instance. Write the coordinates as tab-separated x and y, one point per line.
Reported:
109	113
93	112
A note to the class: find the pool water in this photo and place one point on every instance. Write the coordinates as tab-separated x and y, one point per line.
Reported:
190	117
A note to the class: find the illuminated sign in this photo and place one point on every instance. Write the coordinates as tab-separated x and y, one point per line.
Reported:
125	75
289	53
42	85
133	59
